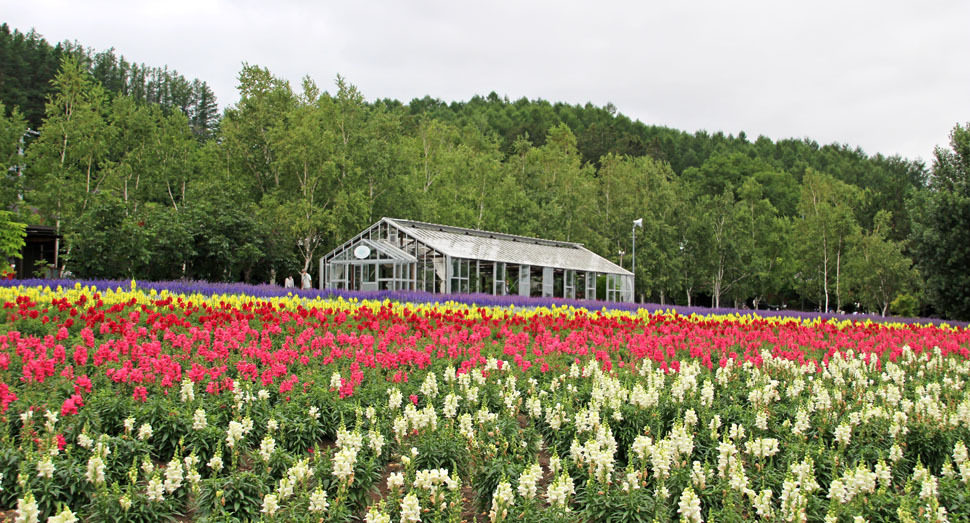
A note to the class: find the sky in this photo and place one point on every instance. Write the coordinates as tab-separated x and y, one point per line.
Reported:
891	77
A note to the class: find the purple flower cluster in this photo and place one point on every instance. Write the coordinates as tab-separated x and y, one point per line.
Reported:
484	300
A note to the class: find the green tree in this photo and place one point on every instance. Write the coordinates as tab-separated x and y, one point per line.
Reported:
725	246
108	242
764	245
246	130
822	235
554	177
633	188
880	271
12	130
941	228
66	162
12	234
692	239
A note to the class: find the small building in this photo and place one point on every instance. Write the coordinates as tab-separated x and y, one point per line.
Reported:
396	254
39	255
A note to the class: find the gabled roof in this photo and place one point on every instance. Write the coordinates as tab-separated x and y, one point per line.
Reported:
509	248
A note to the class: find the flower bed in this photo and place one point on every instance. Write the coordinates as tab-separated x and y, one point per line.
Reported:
127	403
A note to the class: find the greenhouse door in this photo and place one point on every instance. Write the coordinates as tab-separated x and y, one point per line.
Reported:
363	277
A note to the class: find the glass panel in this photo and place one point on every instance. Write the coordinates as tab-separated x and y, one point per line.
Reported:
535	282
387	271
512	279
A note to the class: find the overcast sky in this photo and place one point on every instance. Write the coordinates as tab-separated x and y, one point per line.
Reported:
889	76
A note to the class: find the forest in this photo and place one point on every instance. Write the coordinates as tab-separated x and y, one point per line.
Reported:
145	177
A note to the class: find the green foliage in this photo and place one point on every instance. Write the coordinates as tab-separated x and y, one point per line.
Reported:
12	236
616	506
237	497
905	305
941	228
880	270
825	228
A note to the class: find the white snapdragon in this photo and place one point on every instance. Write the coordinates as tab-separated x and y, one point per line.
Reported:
641	447
187	391
451	406
465	426
318	500
726	456
802	423
51	420
375	515
502	499
895	453
394	399
429	387
395	481
927	482
27	510
689	506
555	465
199	421
300	471
156	489
762	503
145	432
410	509
631	481
843	433
285	488
45	468
95	470
681	441
527	481
270	504
215	463
64	516
85	441
698	475
376	442
560	490
707	393
174	474
762	447
267	447
343	463
234	434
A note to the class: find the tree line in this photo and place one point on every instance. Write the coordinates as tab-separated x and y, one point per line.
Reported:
28	64
288	173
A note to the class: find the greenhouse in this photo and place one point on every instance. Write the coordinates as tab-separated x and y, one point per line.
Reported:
396	254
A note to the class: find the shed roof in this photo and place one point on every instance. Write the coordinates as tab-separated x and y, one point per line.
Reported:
508	248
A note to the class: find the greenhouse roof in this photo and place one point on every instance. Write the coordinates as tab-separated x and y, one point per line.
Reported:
460	242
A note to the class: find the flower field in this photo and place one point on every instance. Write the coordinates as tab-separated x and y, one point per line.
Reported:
129	404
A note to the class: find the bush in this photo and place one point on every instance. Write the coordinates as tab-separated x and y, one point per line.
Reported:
905	305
